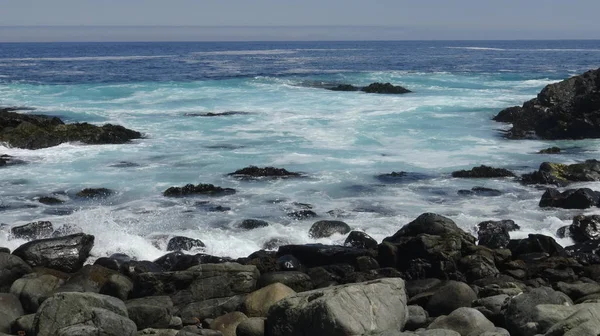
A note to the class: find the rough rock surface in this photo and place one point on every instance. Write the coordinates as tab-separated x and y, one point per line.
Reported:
65	254
253	172
11	269
465	321
326	228
483	172
562	174
200	189
258	303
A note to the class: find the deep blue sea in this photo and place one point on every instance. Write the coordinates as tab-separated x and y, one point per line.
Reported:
341	140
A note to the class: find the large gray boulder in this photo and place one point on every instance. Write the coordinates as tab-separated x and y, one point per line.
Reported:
198	283
254	326
66	254
193	312
10	310
465	321
450	297
83	314
11	269
520	310
584	322
352	309
150	312
33	288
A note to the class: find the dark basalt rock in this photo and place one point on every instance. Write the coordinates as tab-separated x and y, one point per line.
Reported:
177	261
184	244
565	110
494	234
587	253
561	174
551	150
582	229
7	160
480	191
209	207
35	230
508	115
38	131
386	88
124	164
289	263
134	267
114	262
49	200
216	114
253	172
431	224
11	269
535	243
251	224
483	172
302	214
95	193
312	255
327	228
570	199
401	177
66	254
344	87
360	240
200	189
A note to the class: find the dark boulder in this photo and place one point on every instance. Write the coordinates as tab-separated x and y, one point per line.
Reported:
565	110
251	224
551	150
586	253
561	174
216	114
38	131
312	255
200	189
535	243
253	172
344	87
134	267
65	254
11	269
570	199
449	297
582	229
288	262
10	310
431	224
302	214
483	172
494	234
401	177
94	193
8	160
35	230
508	115
360	240
114	262
385	88
480	191
178	261
327	228
49	200
184	244
150	312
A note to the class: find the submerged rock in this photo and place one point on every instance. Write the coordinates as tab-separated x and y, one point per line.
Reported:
39	131
565	110
253	172
327	228
183	244
35	230
49	200
570	199
361	240
386	88
561	174
480	191
94	193
200	189
7	160
483	172
251	224
344	87
216	114
401	177
65	254
551	150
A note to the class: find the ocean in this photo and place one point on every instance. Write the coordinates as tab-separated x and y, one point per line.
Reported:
341	140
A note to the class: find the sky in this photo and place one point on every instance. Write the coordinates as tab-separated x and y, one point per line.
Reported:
231	20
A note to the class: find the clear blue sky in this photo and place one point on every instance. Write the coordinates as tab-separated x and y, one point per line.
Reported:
386	19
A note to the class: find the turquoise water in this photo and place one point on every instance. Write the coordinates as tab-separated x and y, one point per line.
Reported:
341	140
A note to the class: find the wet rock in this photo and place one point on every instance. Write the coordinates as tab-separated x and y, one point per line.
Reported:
67	229
193	312
38	131
65	254
520	309
94	193
198	283
478	265
8	160
450	297
33	288
124	164
10	310
583	228
508	115
385	88
49	200
135	267
253	172
216	114
150	312
302	214
298	281
184	244
114	262
401	177
200	189
251	224
117	285
11	269
177	261
312	255
431	224
288	262
259	302
254	326
228	323
358	239
465	321
483	172
366	264
344	87
341	310
35	230
587	253
565	110
535	243
327	228
4	250
480	191
495	234
83	314
561	174
570	199
274	243
551	150
209	207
